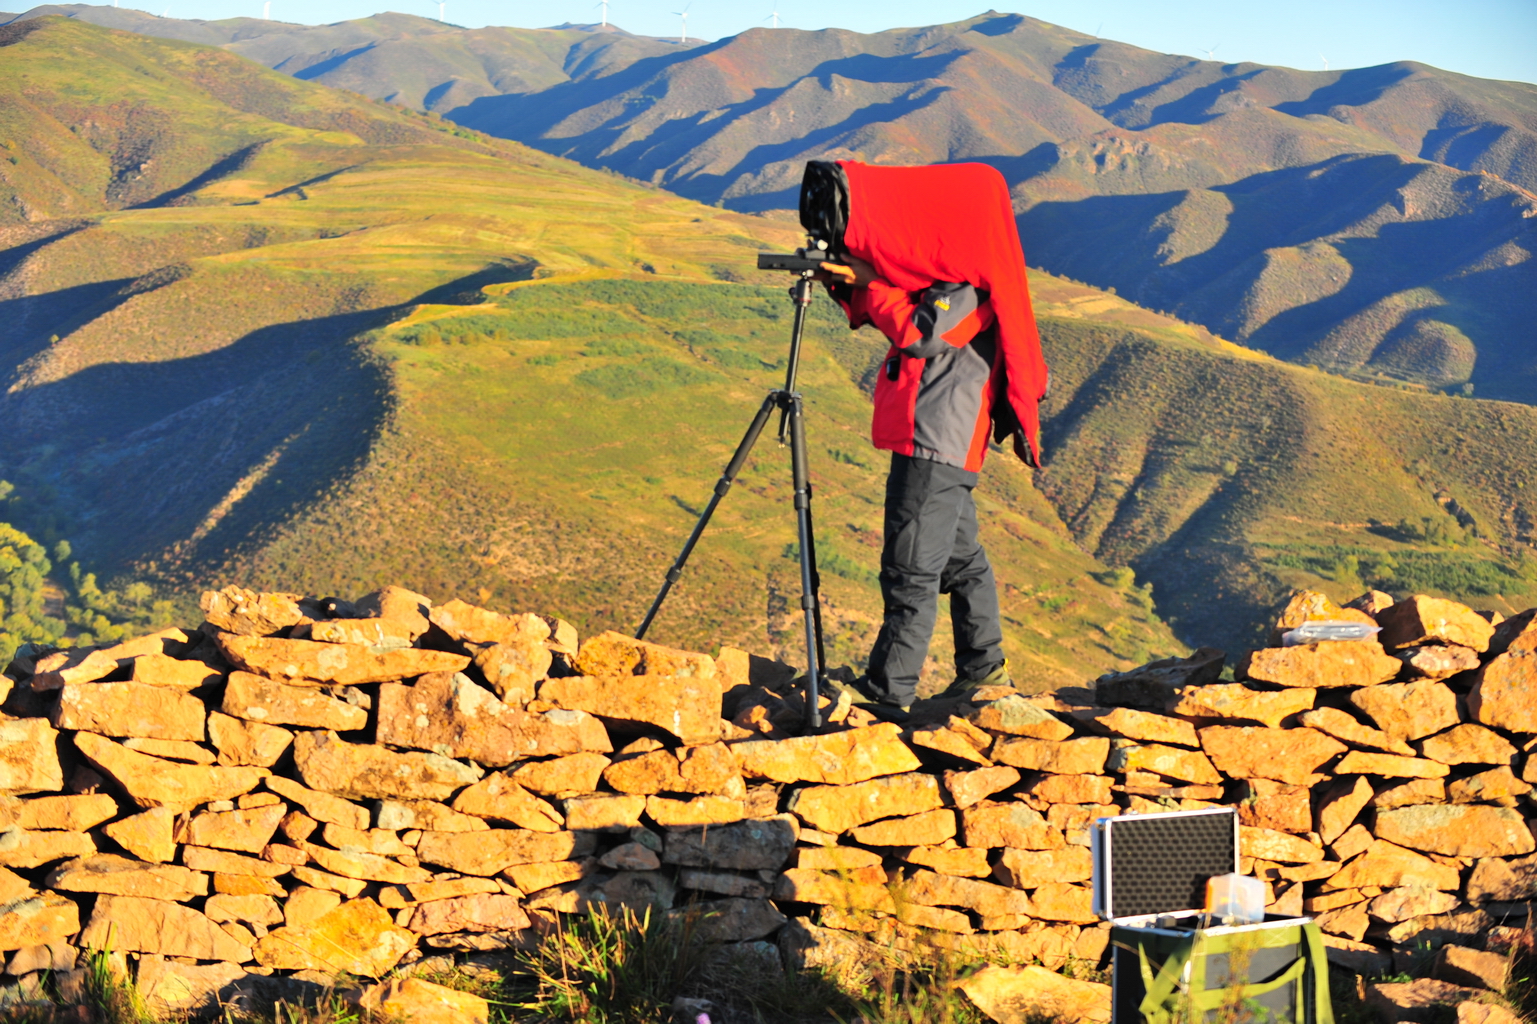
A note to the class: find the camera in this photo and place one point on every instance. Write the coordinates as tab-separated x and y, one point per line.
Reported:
824	213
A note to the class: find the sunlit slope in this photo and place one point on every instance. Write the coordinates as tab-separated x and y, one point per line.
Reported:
1375	267
414	61
1226	478
377	348
552	447
1374	222
238	384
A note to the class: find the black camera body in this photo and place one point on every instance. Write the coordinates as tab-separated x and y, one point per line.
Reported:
825	205
824	215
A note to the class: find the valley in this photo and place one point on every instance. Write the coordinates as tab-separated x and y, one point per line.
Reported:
262	331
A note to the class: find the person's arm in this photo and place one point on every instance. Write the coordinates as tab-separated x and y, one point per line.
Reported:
921	326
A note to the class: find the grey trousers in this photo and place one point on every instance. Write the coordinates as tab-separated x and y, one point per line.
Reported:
931	548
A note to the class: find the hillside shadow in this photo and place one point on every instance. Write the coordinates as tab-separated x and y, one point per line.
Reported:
1195	107
1117	241
710	187
27	322
1269	210
1102	239
224	447
1400	257
901	69
236	161
1461	145
1119	109
466	291
760	202
264	426
1354	88
13	257
999	25
517	117
1015	169
215	453
329	64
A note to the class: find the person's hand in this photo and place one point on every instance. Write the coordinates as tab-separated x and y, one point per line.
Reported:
855	272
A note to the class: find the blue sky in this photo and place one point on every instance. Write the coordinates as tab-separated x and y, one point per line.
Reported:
1487	38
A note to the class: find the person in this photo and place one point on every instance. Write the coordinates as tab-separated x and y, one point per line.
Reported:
942	390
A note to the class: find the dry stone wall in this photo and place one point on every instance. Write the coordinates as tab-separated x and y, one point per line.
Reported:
299	786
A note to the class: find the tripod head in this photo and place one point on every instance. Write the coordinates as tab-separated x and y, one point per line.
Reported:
805	261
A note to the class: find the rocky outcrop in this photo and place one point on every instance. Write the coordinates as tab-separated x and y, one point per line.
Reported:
276	791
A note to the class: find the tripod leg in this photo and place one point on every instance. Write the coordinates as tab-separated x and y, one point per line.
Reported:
808	561
816	576
721	487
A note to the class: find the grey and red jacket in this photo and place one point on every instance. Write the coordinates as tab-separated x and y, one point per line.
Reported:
934	393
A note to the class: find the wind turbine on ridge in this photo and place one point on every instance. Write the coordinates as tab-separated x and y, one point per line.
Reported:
1211	54
774	17
603	4
441	5
1325	60
684	15
267	10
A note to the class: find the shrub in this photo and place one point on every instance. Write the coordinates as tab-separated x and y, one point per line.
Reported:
652	374
837	564
616	347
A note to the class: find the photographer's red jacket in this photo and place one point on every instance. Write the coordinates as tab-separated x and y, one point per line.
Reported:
948	227
934	392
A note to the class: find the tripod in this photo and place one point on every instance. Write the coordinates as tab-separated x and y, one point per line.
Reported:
792	421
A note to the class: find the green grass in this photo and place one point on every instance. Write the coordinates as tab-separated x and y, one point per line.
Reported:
618	967
1466	573
613	969
647	376
618	438
110	994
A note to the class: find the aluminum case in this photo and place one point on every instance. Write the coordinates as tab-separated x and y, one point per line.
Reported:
1150	873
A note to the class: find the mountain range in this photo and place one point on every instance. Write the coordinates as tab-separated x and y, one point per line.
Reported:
1374	222
254	328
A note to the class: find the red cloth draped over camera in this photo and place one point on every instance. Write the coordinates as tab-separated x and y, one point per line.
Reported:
955	222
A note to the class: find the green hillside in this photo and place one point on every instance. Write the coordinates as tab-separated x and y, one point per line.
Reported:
303	340
1228	478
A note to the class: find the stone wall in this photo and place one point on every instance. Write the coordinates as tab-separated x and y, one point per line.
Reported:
301	786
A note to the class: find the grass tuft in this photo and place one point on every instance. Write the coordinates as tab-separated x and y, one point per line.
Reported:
110	994
608	968
1521	974
920	995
